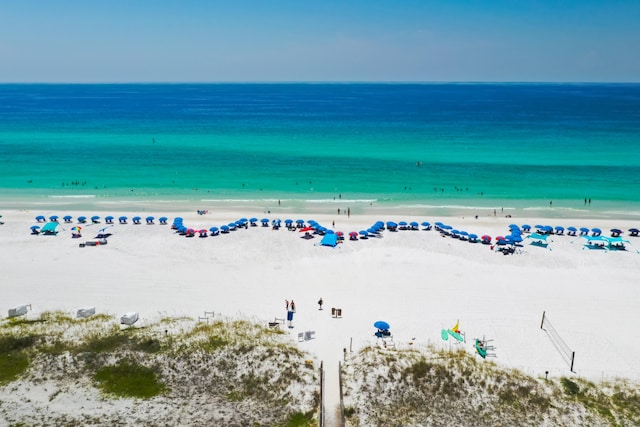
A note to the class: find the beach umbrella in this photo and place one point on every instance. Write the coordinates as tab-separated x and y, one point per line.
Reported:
473	236
95	218
136	218
108	218
363	233
213	229
426	224
76	228
124	219
464	233
353	234
413	224
82	219
572	229
53	218
67	218
244	220
150	218
339	233
391	224
182	229
596	231
299	221
381	324
584	230
40	218
486	237
35	227
288	221
224	228
402	223
372	230
616	231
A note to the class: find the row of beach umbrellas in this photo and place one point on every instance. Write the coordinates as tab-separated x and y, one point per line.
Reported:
96	219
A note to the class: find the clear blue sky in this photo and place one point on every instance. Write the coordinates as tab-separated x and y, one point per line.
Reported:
322	40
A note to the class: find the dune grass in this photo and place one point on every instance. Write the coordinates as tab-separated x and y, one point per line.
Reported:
172	367
437	387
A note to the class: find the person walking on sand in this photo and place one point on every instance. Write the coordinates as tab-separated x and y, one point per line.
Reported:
286	304
293	306
320	302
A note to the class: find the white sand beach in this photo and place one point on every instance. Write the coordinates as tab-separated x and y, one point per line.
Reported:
417	281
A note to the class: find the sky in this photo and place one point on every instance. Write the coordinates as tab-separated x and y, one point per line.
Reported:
71	41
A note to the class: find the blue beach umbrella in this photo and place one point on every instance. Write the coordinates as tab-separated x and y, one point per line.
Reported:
35	227
82	219
363	233
224	228
122	219
53	218
381	324
572	229
40	218
67	218
108	218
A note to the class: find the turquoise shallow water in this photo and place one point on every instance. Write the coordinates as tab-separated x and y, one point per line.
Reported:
425	146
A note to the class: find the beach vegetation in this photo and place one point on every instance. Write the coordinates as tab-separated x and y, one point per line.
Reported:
226	362
129	379
435	386
302	419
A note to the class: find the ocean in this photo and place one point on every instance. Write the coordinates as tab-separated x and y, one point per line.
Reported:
560	149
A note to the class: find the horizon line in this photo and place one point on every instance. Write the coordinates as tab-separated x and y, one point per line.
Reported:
336	82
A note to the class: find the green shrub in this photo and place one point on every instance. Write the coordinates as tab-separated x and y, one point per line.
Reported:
129	380
12	365
569	386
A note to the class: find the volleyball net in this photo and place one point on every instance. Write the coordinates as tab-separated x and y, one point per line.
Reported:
567	354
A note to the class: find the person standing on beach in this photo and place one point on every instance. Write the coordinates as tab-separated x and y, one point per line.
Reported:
320	302
293	306
286	304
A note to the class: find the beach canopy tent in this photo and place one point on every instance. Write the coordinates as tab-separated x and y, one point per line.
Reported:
595	242
329	240
50	228
538	239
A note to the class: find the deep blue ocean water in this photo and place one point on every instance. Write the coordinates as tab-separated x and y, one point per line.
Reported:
488	145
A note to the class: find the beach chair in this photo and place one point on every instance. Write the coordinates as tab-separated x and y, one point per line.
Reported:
309	335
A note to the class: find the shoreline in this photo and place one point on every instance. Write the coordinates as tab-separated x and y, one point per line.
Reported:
90	203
